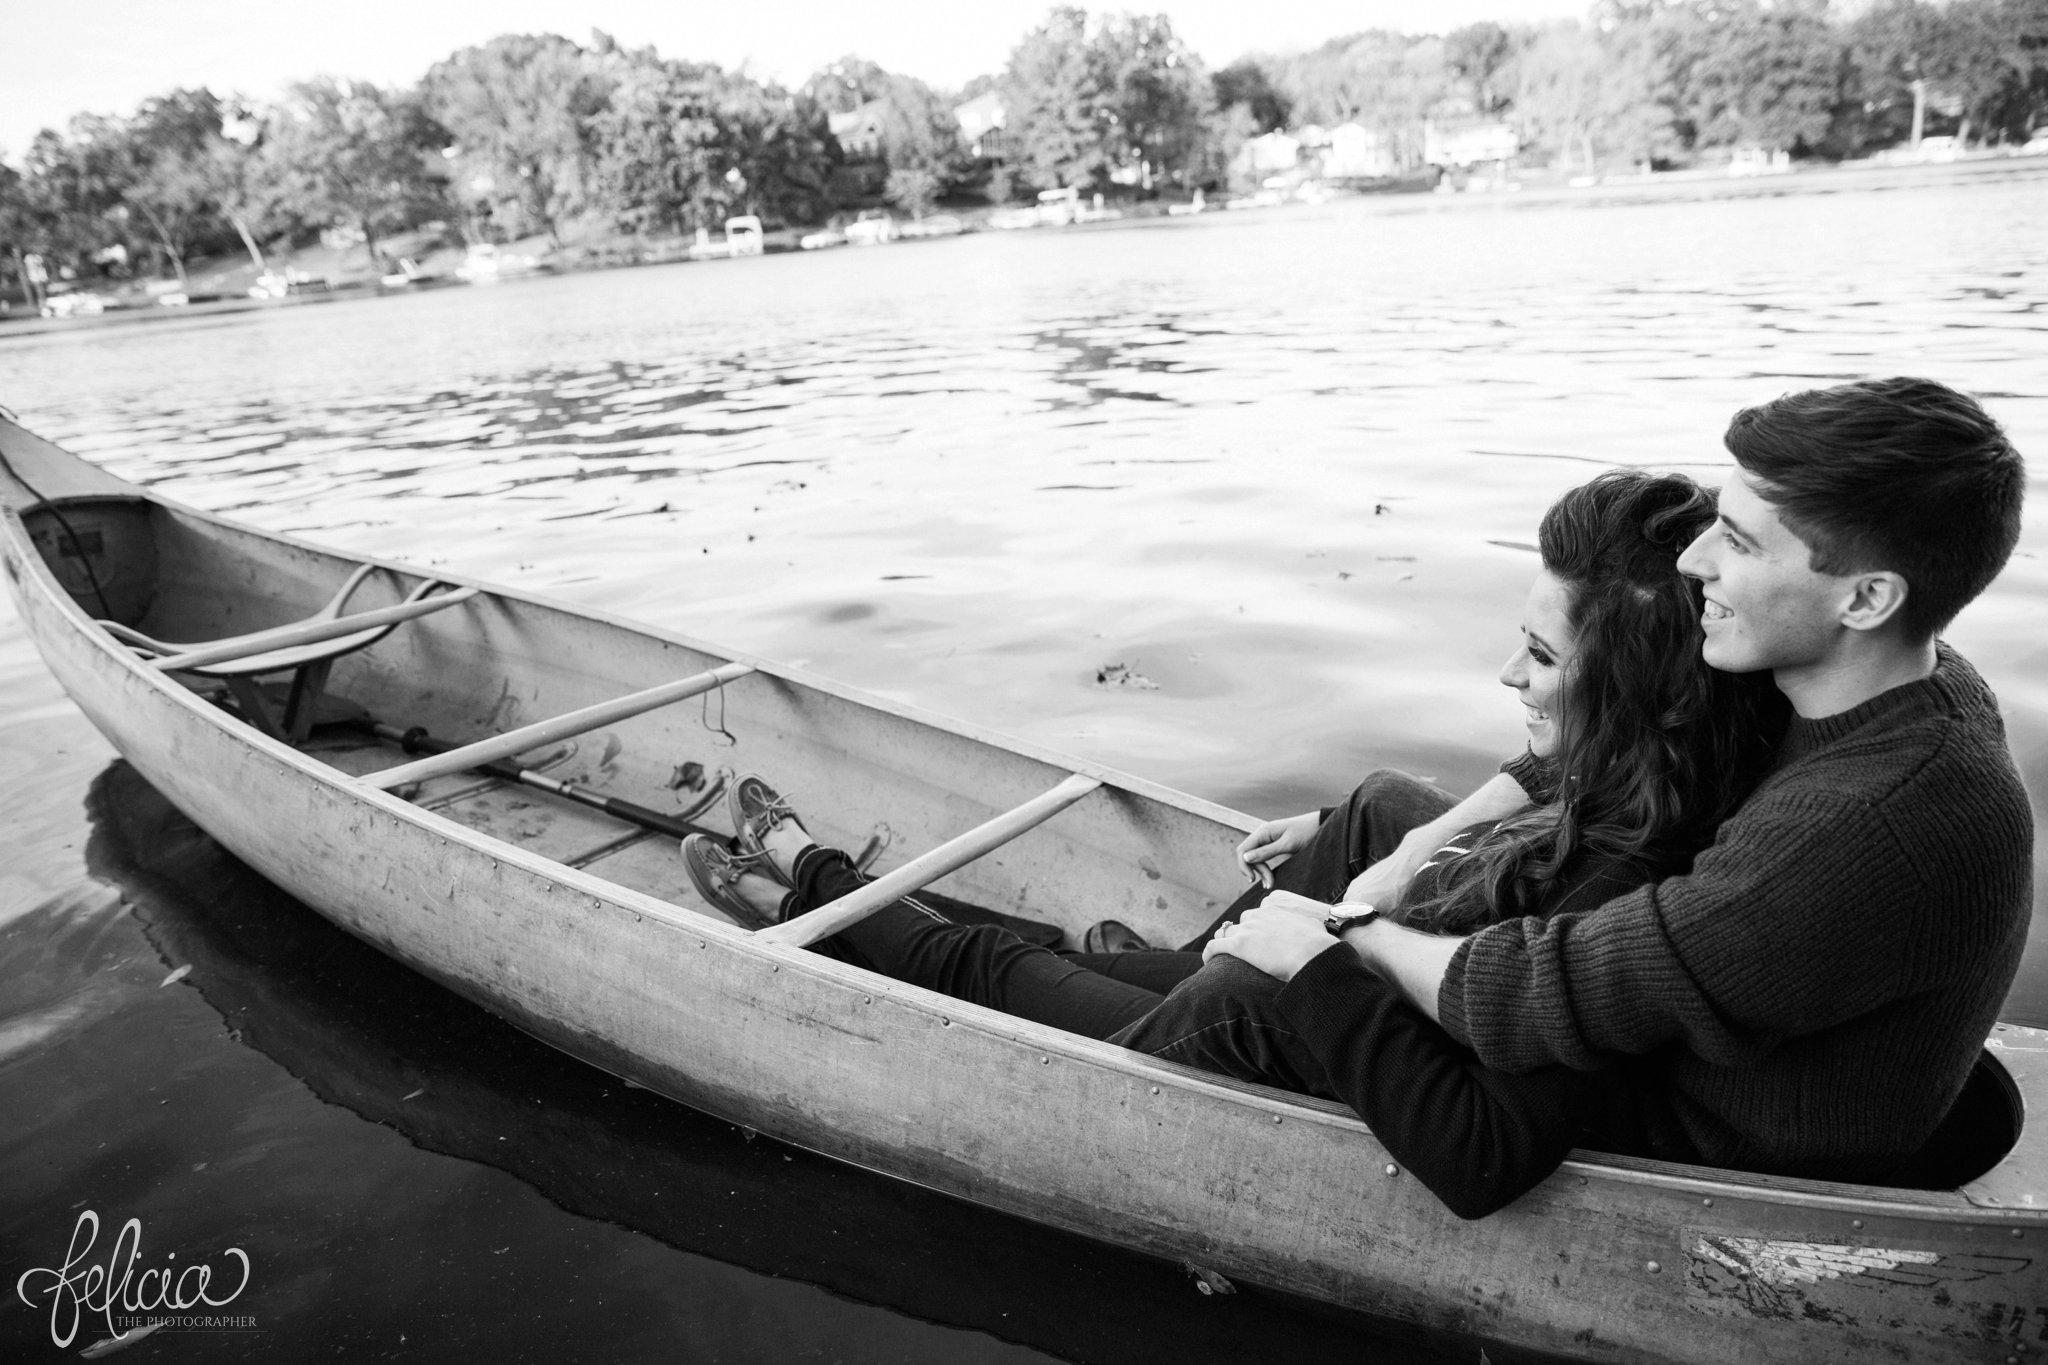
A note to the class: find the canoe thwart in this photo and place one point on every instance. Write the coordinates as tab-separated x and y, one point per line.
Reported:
927	868
200	657
561	727
675	824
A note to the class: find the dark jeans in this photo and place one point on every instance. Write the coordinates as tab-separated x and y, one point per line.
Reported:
1220	1017
981	963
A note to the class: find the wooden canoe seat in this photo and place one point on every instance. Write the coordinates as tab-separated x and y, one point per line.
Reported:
566	726
307	649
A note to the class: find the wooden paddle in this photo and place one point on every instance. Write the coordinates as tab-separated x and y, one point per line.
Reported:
927	868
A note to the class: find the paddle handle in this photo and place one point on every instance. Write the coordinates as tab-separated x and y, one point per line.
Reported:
548	731
309	632
927	868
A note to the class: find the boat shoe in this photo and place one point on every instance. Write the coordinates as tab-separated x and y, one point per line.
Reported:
715	872
756	808
1113	936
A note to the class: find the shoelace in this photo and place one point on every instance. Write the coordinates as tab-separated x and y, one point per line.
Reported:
733	864
772	814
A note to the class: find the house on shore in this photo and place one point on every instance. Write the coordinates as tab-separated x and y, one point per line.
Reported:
863	172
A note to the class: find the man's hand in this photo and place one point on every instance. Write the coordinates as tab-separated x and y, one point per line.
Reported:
1279	937
1274	842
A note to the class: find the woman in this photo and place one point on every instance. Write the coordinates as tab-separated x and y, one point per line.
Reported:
1637	751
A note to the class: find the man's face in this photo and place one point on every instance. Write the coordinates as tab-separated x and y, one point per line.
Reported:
1766	608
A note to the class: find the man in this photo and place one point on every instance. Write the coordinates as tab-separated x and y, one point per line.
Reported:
1809	999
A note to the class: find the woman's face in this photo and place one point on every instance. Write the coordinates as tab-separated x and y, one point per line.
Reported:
1538	668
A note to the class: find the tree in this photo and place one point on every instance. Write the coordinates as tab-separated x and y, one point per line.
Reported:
657	142
521	109
1053	88
173	144
1155	95
245	183
777	148
1743	74
1584	93
847	84
348	152
1247	82
1475	54
913	190
1386	81
23	230
1557	89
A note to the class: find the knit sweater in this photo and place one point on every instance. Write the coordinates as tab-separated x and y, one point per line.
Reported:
1809	999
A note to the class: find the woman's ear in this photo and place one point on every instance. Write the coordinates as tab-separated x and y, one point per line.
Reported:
1875	598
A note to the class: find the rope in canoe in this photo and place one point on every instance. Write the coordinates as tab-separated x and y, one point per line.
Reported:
77	545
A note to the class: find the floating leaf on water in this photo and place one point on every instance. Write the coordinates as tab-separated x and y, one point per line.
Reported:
1120	675
175	977
687	777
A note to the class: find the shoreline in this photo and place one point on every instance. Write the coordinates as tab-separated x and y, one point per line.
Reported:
1616	192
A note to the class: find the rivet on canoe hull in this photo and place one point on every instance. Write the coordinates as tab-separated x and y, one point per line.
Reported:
1155	1089
1045	1061
1856	1223
1392	1169
2017	1234
1276	1118
1706	1203
1652	1267
867	1000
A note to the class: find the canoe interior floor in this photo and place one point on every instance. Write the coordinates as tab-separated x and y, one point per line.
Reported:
554	827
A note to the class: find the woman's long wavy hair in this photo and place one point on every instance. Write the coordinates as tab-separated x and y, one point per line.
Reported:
1655	748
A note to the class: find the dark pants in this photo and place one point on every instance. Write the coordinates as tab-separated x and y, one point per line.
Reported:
1220	1016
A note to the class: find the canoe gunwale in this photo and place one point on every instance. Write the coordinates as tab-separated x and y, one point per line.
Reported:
1940	1205
1456	1277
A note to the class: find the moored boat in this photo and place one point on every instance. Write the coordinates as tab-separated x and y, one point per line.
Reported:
577	923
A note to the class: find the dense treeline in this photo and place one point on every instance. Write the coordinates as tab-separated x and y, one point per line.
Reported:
526	135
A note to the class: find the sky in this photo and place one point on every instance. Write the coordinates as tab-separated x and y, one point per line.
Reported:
108	58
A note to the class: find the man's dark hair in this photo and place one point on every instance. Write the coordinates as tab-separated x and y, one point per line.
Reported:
1899	474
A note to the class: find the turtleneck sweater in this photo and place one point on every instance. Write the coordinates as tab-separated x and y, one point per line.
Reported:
1809	999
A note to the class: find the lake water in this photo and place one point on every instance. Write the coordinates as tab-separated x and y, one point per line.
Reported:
1283	467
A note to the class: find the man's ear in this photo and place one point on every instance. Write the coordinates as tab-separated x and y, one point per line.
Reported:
1874	599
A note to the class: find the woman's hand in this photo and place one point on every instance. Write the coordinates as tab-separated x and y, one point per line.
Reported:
1383	882
1279	937
1274	842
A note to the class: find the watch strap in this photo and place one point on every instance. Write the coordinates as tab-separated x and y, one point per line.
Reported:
1337	923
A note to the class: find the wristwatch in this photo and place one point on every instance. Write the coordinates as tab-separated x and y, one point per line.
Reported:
1337	923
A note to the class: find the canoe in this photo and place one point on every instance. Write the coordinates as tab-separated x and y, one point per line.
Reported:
579	927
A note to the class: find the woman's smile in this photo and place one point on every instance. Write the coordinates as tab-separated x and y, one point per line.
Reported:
1537	669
